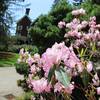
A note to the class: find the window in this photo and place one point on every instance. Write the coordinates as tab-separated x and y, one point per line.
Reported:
20	27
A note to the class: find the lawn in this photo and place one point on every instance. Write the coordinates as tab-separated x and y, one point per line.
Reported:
8	59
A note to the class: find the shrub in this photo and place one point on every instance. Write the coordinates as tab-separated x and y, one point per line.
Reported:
22	68
67	72
16	48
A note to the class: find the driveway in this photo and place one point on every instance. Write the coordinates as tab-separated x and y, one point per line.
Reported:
8	83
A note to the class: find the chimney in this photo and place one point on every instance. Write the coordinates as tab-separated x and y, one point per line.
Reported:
27	11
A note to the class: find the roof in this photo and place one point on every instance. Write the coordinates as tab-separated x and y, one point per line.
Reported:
23	18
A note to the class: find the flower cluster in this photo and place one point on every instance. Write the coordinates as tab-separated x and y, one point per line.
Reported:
57	55
78	12
23	56
83	33
61	24
55	70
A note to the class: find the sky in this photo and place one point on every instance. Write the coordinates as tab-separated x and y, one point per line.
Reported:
37	7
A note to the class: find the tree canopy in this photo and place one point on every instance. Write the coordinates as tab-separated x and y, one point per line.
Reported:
6	19
6	14
44	30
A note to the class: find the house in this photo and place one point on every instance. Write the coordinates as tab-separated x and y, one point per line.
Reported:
23	24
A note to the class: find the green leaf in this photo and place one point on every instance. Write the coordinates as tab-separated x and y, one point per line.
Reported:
51	73
85	78
62	76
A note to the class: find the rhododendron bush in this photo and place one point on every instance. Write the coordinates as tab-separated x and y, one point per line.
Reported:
67	72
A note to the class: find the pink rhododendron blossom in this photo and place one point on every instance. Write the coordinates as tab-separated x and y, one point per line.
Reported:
96	80
73	34
30	60
89	66
79	42
92	23
75	12
69	89
79	27
88	36
84	24
40	86
36	56
98	90
98	26
73	61
82	11
33	69
93	18
58	87
78	12
68	25
21	51
54	55
97	35
61	24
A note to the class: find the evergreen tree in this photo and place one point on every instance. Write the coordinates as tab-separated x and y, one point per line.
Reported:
6	14
92	9
6	19
44	30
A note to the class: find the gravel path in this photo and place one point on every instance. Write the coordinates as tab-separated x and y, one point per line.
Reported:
8	83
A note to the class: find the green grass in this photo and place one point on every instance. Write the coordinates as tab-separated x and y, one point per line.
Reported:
8	59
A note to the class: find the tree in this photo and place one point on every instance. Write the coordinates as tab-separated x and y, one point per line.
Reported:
92	9
44	30
6	14
6	19
77	2
96	1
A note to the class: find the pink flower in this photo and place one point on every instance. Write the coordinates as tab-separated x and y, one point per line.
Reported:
72	33
84	24
53	56
79	42
30	60
79	27
68	25
89	66
96	80
58	87
21	51
98	90
40	86
78	12
88	36
97	35
75	12
98	26
79	67
69	89
36	56
33	69
93	18
61	24
82	11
